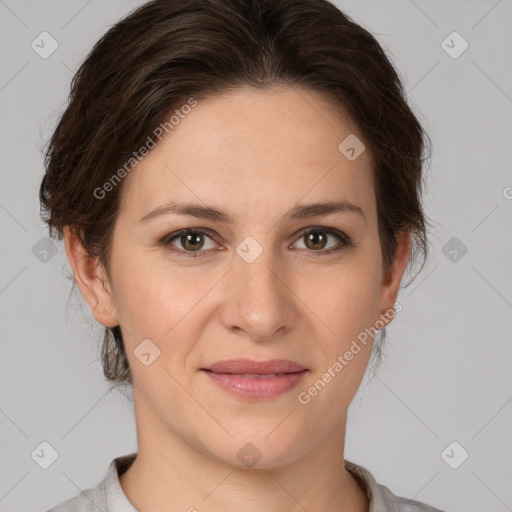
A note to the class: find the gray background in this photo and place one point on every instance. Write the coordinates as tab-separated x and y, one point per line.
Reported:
447	374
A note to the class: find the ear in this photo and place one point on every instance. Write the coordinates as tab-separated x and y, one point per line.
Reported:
91	278
392	278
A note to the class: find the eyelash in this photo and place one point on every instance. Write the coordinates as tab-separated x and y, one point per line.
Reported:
345	241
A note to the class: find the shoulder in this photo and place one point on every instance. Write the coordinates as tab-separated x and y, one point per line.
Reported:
381	498
90	500
107	495
408	505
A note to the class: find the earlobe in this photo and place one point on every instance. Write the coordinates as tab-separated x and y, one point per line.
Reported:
91	279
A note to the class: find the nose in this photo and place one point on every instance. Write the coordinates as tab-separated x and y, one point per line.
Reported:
259	298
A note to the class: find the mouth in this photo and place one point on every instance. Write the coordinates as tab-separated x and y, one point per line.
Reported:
255	375
253	380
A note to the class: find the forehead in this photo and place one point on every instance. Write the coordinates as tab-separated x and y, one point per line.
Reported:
253	149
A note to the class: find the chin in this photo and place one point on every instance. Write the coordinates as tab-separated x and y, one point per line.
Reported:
259	450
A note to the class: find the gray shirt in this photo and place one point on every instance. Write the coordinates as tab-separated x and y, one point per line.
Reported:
108	495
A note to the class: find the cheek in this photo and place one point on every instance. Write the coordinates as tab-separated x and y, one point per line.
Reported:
345	299
165	304
153	295
347	311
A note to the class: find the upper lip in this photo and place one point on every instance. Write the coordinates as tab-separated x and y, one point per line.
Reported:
255	367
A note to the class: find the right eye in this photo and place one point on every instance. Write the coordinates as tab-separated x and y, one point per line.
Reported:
191	241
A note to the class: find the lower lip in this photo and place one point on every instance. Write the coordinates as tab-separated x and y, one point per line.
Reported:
256	387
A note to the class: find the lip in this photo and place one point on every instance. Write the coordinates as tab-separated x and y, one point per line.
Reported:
255	367
251	380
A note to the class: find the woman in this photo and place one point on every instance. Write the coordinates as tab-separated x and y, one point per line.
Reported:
238	185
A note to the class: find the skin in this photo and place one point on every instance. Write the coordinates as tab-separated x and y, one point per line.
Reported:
255	155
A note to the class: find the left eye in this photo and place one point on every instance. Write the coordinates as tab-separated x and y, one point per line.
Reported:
316	239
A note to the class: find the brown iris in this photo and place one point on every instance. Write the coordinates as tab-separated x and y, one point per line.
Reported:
315	237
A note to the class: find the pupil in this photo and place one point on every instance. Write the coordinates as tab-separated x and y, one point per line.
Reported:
189	239
314	237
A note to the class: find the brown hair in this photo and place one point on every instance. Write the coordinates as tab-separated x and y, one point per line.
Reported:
167	51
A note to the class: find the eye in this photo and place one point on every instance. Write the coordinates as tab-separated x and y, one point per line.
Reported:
316	240
194	242
190	240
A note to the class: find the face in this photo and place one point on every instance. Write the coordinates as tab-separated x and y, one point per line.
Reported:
269	277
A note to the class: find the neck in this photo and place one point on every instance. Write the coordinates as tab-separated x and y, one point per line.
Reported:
171	473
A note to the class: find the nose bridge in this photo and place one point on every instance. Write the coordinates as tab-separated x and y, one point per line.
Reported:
258	301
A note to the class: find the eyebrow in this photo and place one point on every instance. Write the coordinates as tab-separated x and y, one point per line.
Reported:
301	211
